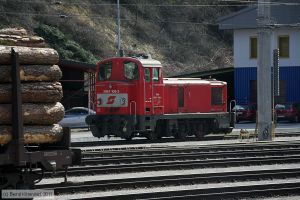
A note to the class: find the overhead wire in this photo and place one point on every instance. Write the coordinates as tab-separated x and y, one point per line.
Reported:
109	18
65	15
214	4
130	4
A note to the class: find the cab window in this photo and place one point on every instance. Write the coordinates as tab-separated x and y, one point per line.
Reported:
147	74
155	74
105	71
130	70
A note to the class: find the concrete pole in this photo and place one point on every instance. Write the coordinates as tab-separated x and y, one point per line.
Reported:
118	28
264	96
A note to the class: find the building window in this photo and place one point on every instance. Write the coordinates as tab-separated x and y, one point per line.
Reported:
284	46
253	47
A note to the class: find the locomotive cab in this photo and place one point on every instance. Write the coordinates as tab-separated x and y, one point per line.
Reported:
127	90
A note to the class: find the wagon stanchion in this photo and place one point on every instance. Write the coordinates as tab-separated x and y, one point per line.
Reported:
17	117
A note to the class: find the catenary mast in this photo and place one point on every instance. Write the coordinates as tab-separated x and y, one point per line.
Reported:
264	98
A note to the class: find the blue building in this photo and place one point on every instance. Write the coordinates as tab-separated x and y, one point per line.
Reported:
285	15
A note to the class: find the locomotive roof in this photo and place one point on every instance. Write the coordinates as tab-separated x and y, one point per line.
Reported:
146	62
150	62
192	81
185	80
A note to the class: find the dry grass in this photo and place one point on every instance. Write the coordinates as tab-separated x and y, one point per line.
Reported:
181	47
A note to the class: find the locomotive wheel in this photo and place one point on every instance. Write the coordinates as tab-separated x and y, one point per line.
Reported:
128	137
199	131
97	131
151	135
180	134
182	130
199	135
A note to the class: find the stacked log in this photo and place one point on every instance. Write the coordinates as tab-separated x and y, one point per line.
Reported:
40	89
20	37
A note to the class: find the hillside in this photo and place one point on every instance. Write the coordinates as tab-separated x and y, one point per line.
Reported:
184	36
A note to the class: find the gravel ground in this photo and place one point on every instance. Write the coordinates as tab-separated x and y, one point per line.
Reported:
173	188
166	173
169	173
279	198
191	143
84	135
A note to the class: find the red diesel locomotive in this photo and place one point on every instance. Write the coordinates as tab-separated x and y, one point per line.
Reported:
133	99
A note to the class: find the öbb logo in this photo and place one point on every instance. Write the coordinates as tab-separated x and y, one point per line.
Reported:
111	99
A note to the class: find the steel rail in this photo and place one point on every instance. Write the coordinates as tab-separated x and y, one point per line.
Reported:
110	154
187	156
235	192
179	165
202	148
162	181
167	140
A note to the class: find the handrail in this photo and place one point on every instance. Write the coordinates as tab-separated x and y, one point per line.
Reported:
231	105
130	108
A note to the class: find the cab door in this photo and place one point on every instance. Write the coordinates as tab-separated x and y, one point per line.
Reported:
148	91
157	91
153	91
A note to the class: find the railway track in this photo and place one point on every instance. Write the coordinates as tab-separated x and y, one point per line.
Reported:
183	158
187	156
130	150
179	165
118	160
168	140
141	141
176	180
221	193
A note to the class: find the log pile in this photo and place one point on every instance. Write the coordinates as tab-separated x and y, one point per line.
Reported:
40	89
19	37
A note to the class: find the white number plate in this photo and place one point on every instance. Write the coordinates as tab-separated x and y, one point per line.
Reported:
112	100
